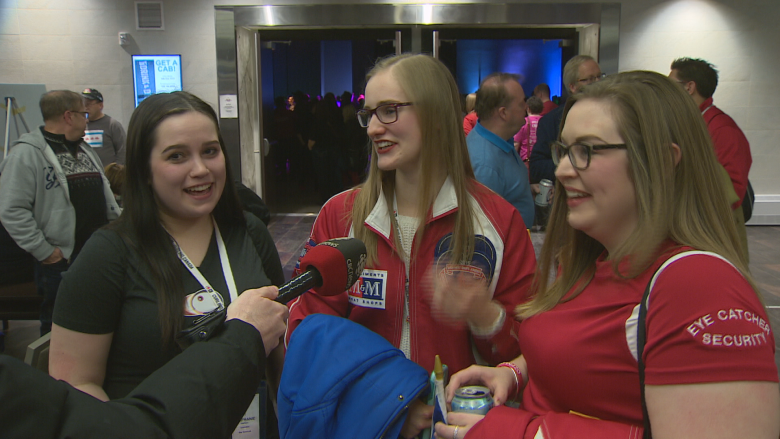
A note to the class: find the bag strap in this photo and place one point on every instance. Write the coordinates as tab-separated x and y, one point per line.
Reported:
641	329
641	332
748	201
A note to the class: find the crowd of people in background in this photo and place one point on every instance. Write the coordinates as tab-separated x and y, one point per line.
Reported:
647	200
318	142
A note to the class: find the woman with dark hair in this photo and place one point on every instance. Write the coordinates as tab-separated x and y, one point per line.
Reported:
181	249
640	216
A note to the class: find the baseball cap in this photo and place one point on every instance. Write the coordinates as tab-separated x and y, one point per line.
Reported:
91	93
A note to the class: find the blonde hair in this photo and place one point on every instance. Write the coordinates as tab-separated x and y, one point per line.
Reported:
571	70
686	203
429	85
471	101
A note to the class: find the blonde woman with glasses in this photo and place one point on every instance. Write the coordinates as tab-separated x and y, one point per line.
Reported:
640	197
448	259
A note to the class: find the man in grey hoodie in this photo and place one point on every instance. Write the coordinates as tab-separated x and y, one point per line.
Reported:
53	193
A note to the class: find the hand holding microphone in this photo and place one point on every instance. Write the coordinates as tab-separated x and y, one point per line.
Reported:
268	317
329	268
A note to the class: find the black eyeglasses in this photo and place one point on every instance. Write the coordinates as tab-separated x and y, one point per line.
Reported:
579	153
386	113
592	79
85	113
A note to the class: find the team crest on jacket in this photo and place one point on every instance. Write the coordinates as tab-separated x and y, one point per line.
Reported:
481	266
370	289
306	247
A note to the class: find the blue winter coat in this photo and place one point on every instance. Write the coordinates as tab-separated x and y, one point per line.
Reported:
342	380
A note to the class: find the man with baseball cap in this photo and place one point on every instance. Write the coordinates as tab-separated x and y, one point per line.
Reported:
104	134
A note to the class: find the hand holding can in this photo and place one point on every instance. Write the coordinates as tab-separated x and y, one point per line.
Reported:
544	197
472	399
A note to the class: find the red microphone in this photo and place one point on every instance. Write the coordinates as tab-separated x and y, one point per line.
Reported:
329	268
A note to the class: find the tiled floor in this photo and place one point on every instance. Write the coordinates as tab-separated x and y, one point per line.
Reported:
291	231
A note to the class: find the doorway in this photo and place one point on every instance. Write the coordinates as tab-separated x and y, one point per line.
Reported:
311	88
435	29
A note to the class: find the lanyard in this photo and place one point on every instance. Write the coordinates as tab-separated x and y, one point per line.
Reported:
705	110
223	259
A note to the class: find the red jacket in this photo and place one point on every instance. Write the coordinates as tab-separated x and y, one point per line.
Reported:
469	122
377	299
731	146
548	107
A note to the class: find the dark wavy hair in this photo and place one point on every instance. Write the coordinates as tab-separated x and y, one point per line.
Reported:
699	71
140	226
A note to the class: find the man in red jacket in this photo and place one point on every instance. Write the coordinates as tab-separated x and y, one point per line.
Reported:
700	79
542	91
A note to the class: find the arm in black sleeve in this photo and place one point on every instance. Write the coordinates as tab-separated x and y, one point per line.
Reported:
540	164
33	404
266	249
201	393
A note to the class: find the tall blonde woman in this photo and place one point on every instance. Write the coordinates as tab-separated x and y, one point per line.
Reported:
638	183
470	120
448	258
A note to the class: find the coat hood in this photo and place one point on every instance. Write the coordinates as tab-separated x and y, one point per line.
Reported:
341	379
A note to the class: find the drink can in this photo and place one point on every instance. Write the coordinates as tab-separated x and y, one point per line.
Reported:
472	399
544	196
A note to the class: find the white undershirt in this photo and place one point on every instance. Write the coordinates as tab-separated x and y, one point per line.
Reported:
407	226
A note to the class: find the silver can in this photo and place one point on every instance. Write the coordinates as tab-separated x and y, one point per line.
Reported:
472	399
544	196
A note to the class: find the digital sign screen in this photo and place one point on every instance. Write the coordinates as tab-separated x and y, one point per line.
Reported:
154	74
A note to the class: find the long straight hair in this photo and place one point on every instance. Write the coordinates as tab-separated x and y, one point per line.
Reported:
140	225
430	86
686	203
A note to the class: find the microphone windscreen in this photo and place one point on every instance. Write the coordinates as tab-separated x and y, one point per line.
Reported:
339	261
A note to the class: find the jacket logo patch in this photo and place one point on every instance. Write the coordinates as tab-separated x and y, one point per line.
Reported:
370	289
309	244
481	266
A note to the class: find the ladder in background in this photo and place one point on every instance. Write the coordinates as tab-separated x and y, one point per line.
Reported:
12	109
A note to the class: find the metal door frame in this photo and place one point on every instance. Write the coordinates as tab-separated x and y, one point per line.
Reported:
237	46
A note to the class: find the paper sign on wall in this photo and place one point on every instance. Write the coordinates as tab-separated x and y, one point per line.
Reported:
228	106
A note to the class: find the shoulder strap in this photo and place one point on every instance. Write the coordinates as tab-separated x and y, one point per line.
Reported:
640	348
641	329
